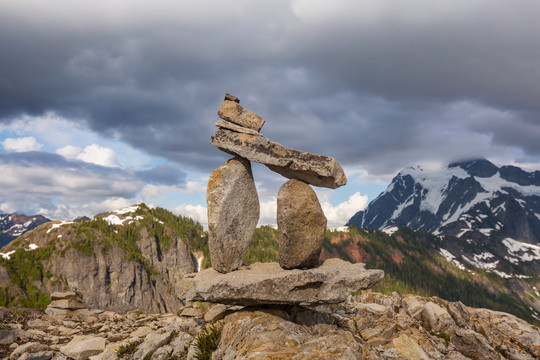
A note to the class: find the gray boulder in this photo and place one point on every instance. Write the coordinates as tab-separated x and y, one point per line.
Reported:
301	226
268	283
313	169
233	213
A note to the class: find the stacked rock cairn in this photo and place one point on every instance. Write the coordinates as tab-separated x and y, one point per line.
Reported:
233	203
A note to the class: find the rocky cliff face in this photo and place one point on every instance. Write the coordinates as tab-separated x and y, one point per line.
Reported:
367	326
129	259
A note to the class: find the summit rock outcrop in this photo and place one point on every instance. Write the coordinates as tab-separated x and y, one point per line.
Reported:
267	283
365	326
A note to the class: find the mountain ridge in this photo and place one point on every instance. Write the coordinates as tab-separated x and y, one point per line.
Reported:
14	225
495	210
120	260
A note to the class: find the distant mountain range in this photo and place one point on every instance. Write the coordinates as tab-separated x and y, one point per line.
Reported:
493	213
14	225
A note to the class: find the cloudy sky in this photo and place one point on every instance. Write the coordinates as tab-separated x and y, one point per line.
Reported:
106	103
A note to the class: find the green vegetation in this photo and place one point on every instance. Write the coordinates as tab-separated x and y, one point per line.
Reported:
442	335
128	348
25	269
263	246
207	341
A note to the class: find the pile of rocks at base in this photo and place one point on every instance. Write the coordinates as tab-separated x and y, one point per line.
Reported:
368	326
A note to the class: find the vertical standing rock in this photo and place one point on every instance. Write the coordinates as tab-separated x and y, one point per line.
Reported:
301	225
233	213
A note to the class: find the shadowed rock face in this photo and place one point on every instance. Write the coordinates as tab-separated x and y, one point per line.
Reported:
233	213
267	283
313	169
301	225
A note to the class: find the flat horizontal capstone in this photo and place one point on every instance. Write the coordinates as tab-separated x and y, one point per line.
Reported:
317	170
268	283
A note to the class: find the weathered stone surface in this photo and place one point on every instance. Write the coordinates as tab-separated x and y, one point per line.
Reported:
474	345
301	225
233	213
366	326
267	283
151	343
409	348
29	347
436	318
67	304
237	128
9	336
313	169
232	98
68	295
233	112
216	313
82	347
262	335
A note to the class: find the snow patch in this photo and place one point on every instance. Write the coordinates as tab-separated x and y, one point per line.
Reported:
32	247
7	255
478	261
127	210
114	220
486	231
435	182
342	228
57	225
502	274
389	230
463	231
521	251
451	258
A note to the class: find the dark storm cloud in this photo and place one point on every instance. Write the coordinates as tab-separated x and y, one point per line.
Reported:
162	175
370	84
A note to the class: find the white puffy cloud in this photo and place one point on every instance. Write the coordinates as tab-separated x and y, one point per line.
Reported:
338	215
69	151
196	212
22	144
93	154
268	212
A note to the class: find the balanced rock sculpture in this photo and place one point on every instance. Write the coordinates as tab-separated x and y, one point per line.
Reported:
301	226
231	207
233	213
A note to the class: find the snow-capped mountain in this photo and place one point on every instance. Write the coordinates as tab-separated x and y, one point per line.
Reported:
14	225
493	212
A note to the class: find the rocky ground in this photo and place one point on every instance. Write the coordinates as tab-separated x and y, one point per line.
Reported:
367	326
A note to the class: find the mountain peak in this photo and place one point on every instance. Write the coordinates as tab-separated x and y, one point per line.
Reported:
477	167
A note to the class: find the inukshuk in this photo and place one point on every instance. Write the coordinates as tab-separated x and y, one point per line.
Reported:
233	213
233	206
